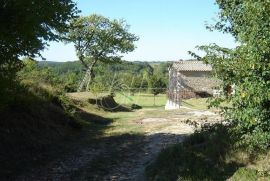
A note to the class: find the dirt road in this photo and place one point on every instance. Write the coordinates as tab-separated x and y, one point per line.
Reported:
123	157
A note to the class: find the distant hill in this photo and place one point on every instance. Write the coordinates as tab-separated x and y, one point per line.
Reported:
62	67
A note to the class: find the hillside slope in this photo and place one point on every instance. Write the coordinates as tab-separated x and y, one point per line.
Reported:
32	128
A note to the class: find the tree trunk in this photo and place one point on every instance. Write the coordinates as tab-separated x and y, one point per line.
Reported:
92	75
81	59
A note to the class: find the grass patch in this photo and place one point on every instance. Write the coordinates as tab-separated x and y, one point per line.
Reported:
201	104
143	99
209	154
200	157
123	122
245	174
146	100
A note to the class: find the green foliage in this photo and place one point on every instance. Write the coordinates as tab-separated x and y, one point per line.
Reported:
161	68
32	23
157	84
43	85
26	27
61	68
245	174
202	156
62	76
133	76
247	66
66	74
69	81
97	38
127	76
32	74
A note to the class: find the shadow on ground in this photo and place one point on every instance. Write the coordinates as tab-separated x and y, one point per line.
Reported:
44	151
122	157
108	103
33	135
92	118
203	156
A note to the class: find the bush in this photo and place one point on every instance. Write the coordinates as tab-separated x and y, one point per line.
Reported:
247	67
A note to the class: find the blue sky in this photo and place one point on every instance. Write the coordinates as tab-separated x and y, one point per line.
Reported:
168	29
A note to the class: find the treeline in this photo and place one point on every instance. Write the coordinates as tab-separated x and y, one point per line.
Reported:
124	76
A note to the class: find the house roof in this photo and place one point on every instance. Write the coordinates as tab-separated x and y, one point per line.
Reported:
191	66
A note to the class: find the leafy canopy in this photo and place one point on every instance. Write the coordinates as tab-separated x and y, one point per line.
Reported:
99	38
26	27
247	66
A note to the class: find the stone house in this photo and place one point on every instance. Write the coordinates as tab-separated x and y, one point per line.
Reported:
190	79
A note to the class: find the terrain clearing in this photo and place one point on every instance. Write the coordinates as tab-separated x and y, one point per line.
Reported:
121	149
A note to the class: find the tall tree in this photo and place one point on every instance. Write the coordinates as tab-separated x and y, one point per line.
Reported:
26	27
97	38
247	66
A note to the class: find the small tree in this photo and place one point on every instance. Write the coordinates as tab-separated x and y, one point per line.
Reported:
156	86
97	38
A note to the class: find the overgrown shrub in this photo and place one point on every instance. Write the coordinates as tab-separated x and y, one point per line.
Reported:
247	67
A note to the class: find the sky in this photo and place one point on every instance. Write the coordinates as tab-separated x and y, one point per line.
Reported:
167	29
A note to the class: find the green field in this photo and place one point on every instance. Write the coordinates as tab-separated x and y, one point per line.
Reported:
124	121
146	100
143	99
